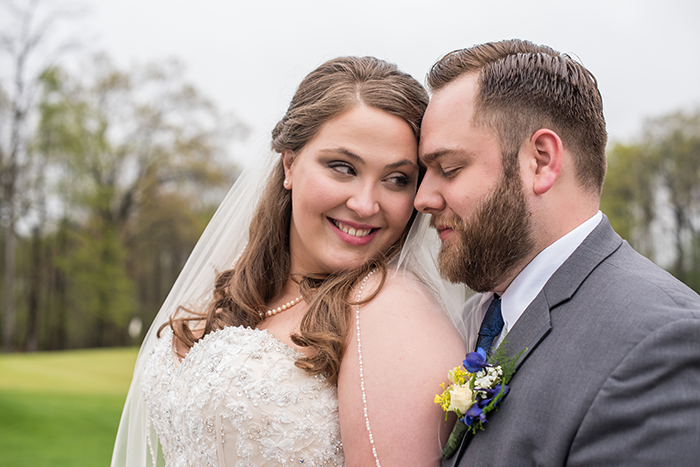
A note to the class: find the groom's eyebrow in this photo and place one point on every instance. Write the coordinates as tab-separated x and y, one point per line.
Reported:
434	156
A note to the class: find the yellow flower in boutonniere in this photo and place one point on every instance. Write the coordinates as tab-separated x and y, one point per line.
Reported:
475	389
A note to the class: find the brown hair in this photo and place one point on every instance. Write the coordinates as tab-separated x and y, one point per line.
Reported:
523	87
240	293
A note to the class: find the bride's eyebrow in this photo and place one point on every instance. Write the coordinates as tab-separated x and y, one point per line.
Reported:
401	163
355	157
345	152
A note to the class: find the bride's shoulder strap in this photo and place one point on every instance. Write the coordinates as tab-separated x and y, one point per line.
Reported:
399	353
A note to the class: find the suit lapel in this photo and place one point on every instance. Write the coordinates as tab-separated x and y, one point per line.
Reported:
532	326
535	323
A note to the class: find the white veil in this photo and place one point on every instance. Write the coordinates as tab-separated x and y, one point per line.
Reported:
217	250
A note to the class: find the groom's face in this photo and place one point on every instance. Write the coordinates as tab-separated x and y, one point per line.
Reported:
481	213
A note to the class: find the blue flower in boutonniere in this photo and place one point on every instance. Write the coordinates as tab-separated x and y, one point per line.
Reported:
475	361
474	390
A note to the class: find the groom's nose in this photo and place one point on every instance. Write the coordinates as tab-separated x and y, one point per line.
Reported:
429	198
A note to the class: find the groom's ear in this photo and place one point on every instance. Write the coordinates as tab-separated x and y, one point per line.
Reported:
545	158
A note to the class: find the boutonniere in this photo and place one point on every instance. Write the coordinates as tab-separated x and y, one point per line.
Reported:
474	390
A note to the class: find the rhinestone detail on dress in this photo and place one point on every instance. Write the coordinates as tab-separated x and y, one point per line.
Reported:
237	399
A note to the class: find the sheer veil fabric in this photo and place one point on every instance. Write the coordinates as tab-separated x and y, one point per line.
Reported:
217	250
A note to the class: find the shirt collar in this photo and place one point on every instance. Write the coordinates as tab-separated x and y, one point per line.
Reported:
528	284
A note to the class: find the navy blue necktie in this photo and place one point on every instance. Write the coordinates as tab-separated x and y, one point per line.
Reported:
491	326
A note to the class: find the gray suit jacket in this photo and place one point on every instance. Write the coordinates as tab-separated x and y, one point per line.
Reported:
611	374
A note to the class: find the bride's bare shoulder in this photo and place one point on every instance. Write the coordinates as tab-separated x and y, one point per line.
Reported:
401	292
403	331
406	306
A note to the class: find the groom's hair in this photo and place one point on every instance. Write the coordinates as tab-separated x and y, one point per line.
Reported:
523	87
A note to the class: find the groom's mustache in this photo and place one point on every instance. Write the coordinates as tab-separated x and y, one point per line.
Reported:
453	222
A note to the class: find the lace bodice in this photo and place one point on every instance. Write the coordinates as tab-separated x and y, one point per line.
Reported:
237	399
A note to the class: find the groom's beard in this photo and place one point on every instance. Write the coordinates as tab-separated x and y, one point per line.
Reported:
491	241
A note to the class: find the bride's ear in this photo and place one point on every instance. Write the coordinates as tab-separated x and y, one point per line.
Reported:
288	161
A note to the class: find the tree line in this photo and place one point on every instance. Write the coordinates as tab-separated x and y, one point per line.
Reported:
108	177
652	193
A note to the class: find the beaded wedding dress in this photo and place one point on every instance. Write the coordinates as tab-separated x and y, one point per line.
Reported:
237	399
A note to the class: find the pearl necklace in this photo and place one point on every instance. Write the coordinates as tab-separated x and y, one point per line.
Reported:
280	308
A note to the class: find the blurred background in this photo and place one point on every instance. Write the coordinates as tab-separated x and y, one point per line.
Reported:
123	123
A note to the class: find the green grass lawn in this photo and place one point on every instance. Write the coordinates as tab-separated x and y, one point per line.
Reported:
62	408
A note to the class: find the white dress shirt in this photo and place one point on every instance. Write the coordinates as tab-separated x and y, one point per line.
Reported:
528	284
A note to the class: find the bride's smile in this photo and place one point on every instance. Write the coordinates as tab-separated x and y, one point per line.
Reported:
354	234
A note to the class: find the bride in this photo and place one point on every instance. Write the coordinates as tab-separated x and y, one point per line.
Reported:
308	326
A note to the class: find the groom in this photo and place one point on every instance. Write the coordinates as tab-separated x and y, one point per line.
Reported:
514	144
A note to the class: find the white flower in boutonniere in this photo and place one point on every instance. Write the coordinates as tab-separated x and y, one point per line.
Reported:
475	389
460	398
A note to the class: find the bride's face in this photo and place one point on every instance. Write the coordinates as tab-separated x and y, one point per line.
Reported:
352	189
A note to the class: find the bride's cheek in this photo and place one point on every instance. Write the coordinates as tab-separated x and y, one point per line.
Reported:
407	207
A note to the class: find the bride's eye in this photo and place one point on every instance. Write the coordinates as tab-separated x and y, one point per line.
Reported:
342	167
398	179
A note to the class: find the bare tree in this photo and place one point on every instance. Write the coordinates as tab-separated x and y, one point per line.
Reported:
137	152
26	48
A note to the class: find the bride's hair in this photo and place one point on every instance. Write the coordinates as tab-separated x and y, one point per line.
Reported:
262	270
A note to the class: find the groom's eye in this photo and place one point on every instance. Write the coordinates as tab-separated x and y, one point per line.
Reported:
450	172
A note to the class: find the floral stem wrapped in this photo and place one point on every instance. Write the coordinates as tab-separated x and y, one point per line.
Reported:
474	390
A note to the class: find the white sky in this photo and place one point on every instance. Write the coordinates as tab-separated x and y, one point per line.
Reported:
249	55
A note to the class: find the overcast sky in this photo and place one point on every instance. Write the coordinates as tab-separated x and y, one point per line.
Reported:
249	55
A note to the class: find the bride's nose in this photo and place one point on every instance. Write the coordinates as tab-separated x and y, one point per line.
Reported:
364	201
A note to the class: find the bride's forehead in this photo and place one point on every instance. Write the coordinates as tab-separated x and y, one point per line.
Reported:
387	140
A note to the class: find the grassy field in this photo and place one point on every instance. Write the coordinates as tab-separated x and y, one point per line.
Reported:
62	408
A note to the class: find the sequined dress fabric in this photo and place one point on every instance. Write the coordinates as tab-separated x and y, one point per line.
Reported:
237	399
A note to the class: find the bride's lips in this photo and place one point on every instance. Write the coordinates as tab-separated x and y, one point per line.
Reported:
353	233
